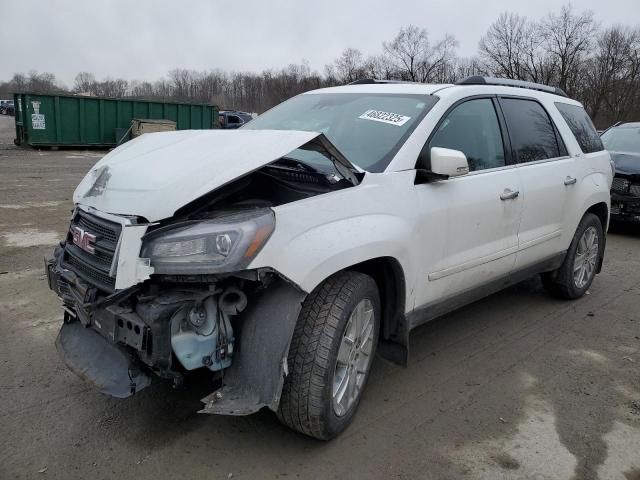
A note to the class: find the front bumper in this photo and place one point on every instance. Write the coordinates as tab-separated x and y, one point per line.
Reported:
625	208
105	365
100	325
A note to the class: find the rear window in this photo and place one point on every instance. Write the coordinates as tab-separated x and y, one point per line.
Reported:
533	136
581	126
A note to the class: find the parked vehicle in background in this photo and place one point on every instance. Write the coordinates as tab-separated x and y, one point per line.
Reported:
7	107
281	259
230	119
623	142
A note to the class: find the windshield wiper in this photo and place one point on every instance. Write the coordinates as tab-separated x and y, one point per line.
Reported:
296	164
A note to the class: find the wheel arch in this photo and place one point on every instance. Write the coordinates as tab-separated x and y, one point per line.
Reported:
601	210
389	276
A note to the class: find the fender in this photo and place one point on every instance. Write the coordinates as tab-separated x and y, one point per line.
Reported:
325	249
593	194
317	237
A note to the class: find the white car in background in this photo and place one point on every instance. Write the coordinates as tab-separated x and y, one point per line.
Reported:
283	255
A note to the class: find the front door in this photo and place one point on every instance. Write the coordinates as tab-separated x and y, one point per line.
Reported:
469	224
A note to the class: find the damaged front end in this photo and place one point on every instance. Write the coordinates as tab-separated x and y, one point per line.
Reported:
625	189
169	325
148	297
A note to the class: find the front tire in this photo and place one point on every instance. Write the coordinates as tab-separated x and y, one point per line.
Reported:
330	356
575	275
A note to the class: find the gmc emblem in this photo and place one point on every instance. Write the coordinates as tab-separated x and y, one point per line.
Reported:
83	239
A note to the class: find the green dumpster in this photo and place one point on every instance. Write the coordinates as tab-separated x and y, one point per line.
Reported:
68	120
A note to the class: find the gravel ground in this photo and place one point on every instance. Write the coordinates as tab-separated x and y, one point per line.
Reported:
516	386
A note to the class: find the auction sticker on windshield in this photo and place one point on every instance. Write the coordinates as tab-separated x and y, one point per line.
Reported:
385	117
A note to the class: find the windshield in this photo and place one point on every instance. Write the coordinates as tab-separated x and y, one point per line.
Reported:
622	139
368	128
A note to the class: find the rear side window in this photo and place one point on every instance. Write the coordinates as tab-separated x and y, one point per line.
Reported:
533	136
581	127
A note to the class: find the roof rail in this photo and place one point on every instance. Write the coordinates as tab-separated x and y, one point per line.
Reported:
506	82
369	81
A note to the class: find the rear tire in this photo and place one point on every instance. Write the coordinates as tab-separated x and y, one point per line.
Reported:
330	356
575	275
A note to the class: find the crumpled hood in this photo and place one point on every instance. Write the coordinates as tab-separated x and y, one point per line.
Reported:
157	173
627	163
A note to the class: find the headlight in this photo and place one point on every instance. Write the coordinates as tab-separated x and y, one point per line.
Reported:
226	243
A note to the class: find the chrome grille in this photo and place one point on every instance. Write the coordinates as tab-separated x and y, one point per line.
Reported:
93	267
635	190
620	184
98	228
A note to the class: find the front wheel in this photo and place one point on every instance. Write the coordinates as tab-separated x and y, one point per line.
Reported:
578	270
330	357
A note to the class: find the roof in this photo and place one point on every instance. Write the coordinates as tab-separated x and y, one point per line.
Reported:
442	90
628	125
397	88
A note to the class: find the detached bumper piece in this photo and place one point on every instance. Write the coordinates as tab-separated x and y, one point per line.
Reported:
104	365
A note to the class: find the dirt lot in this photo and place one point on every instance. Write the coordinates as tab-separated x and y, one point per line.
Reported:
517	386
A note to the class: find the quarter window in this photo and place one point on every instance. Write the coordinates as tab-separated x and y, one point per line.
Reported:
473	128
533	136
581	126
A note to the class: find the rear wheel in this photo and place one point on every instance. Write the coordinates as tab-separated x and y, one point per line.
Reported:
578	270
330	356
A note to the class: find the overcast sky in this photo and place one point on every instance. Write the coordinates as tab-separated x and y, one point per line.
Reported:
138	39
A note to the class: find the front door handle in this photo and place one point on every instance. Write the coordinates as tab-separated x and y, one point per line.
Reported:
569	180
509	194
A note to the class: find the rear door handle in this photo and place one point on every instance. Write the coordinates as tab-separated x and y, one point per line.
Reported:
569	180
509	194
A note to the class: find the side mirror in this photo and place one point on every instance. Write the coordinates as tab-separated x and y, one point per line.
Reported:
448	163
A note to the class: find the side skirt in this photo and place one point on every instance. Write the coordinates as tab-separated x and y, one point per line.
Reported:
433	310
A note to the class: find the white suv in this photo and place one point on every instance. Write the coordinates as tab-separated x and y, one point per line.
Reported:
280	256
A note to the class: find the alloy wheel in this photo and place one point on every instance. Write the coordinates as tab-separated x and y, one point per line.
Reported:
354	357
584	265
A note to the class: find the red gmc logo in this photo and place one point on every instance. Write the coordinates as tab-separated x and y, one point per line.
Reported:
83	239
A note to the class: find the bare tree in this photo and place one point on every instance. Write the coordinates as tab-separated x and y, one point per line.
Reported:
513	47
568	38
415	58
379	67
349	66
613	74
502	47
408	50
85	82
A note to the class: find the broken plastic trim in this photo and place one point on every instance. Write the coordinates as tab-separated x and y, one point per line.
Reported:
256	376
103	364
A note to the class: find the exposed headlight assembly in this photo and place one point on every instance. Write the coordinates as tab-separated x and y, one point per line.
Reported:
224	244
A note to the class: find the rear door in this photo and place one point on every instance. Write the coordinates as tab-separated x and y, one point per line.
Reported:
548	176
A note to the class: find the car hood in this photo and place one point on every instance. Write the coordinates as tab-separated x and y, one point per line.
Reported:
157	173
627	163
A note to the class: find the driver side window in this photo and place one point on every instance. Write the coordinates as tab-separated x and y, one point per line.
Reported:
473	128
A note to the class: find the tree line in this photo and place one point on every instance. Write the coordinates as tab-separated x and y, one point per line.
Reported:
598	65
